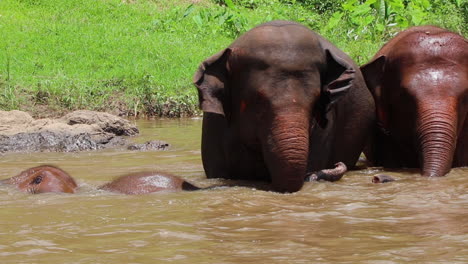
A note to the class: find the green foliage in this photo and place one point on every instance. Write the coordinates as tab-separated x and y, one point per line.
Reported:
373	22
319	6
139	55
380	18
218	20
451	14
251	4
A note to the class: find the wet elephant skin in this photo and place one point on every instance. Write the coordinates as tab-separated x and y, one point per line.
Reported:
281	102
419	80
148	182
47	178
43	179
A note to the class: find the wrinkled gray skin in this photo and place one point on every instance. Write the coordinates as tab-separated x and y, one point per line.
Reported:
281	102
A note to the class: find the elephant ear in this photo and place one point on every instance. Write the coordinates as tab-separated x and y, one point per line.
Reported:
210	80
338	79
373	72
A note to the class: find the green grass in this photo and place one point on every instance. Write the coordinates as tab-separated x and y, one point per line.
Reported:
135	56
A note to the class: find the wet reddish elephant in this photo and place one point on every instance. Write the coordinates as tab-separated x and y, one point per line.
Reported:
148	182
47	178
43	179
419	81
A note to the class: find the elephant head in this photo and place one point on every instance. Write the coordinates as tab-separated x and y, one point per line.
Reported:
43	179
273	85
419	81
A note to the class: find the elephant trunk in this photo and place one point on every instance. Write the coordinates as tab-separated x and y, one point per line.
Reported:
286	149
437	136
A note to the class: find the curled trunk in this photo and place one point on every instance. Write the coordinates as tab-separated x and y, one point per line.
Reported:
334	174
437	136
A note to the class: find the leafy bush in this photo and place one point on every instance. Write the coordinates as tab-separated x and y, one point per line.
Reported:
221	20
319	6
251	4
381	19
139	56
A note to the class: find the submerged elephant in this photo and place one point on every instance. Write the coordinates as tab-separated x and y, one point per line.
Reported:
47	178
42	179
419	80
280	102
148	182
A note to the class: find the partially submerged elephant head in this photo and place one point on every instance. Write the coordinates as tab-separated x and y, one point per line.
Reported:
42	179
419	80
279	102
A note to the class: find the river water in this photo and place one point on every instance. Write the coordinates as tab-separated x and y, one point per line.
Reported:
411	220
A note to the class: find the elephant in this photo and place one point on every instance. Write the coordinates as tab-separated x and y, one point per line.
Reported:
43	179
156	181
278	103
48	178
148	182
419	81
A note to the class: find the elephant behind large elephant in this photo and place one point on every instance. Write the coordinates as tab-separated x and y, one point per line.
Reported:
280	102
419	80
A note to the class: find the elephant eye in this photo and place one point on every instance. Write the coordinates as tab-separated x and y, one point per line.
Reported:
37	180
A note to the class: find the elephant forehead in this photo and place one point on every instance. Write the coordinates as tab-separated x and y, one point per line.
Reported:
60	175
443	81
435	48
290	46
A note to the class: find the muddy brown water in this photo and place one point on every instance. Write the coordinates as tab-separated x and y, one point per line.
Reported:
411	220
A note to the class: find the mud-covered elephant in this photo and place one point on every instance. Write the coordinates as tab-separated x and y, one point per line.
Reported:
419	80
279	102
43	179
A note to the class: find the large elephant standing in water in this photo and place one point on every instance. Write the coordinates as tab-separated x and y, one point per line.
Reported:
419	80
280	102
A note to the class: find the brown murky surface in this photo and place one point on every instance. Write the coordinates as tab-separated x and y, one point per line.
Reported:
412	220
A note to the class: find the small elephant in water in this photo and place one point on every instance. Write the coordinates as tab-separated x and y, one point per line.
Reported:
47	178
148	182
280	102
42	179
419	81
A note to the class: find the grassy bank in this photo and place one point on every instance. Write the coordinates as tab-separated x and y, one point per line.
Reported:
137	57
